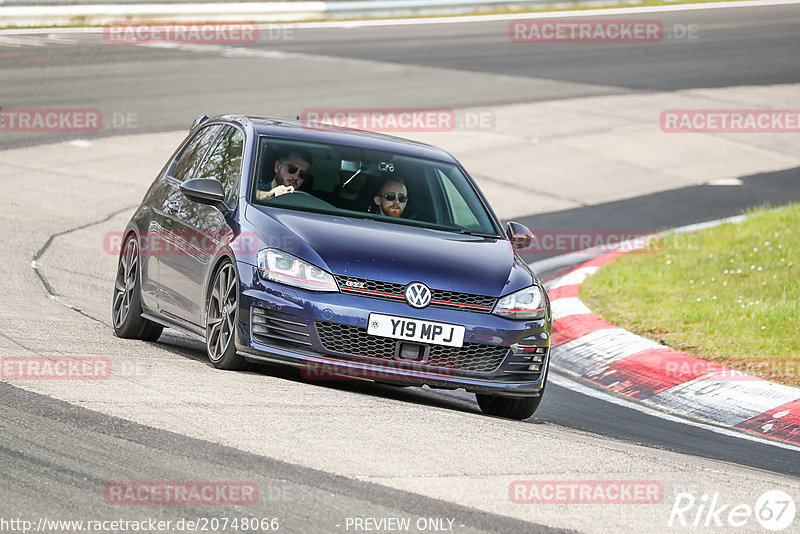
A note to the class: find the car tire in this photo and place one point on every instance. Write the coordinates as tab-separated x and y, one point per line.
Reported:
126	304
222	315
395	384
512	408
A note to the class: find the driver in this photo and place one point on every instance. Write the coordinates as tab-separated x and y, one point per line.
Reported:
291	172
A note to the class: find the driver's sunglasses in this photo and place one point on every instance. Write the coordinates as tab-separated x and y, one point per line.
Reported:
391	196
292	168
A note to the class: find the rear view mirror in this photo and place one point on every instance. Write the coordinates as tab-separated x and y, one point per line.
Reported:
521	237
348	170
349	166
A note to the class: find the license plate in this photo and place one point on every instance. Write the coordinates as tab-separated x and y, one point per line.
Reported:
417	330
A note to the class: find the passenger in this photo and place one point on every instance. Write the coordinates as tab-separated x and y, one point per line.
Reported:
349	194
392	198
291	174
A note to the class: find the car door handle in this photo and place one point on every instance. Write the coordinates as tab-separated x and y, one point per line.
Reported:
174	207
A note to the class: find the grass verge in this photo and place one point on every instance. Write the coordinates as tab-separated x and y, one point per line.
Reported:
730	294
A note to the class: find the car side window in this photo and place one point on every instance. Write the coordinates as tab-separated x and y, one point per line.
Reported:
186	163
461	212
224	162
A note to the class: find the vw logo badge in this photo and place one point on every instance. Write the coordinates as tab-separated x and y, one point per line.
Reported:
418	294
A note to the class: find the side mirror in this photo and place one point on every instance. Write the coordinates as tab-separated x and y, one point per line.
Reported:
205	191
521	237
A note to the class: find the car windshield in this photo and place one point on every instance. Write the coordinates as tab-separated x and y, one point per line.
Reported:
358	182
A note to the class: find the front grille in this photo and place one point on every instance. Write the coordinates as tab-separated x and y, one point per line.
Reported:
274	328
439	297
354	341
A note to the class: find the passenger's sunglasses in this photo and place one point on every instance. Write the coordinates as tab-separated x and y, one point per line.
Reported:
391	196
291	168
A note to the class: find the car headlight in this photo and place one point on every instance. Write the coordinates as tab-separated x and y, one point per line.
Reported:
527	303
278	266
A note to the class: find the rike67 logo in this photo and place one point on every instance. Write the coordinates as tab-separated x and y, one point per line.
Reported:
773	510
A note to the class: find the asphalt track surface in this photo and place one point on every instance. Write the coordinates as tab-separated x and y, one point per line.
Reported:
166	87
58	458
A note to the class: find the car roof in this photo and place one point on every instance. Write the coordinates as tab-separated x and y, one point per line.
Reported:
310	131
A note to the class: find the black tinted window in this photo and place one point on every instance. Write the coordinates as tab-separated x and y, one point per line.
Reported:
224	162
187	162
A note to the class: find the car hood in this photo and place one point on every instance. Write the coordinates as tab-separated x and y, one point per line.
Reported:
396	253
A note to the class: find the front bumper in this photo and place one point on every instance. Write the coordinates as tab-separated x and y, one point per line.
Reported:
324	334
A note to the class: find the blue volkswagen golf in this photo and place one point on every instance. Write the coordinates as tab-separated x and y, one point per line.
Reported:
346	253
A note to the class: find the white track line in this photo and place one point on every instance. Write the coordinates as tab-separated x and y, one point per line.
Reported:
574	385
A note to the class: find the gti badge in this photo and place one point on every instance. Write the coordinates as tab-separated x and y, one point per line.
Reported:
418	294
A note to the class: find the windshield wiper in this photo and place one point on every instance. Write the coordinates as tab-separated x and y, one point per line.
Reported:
464	231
